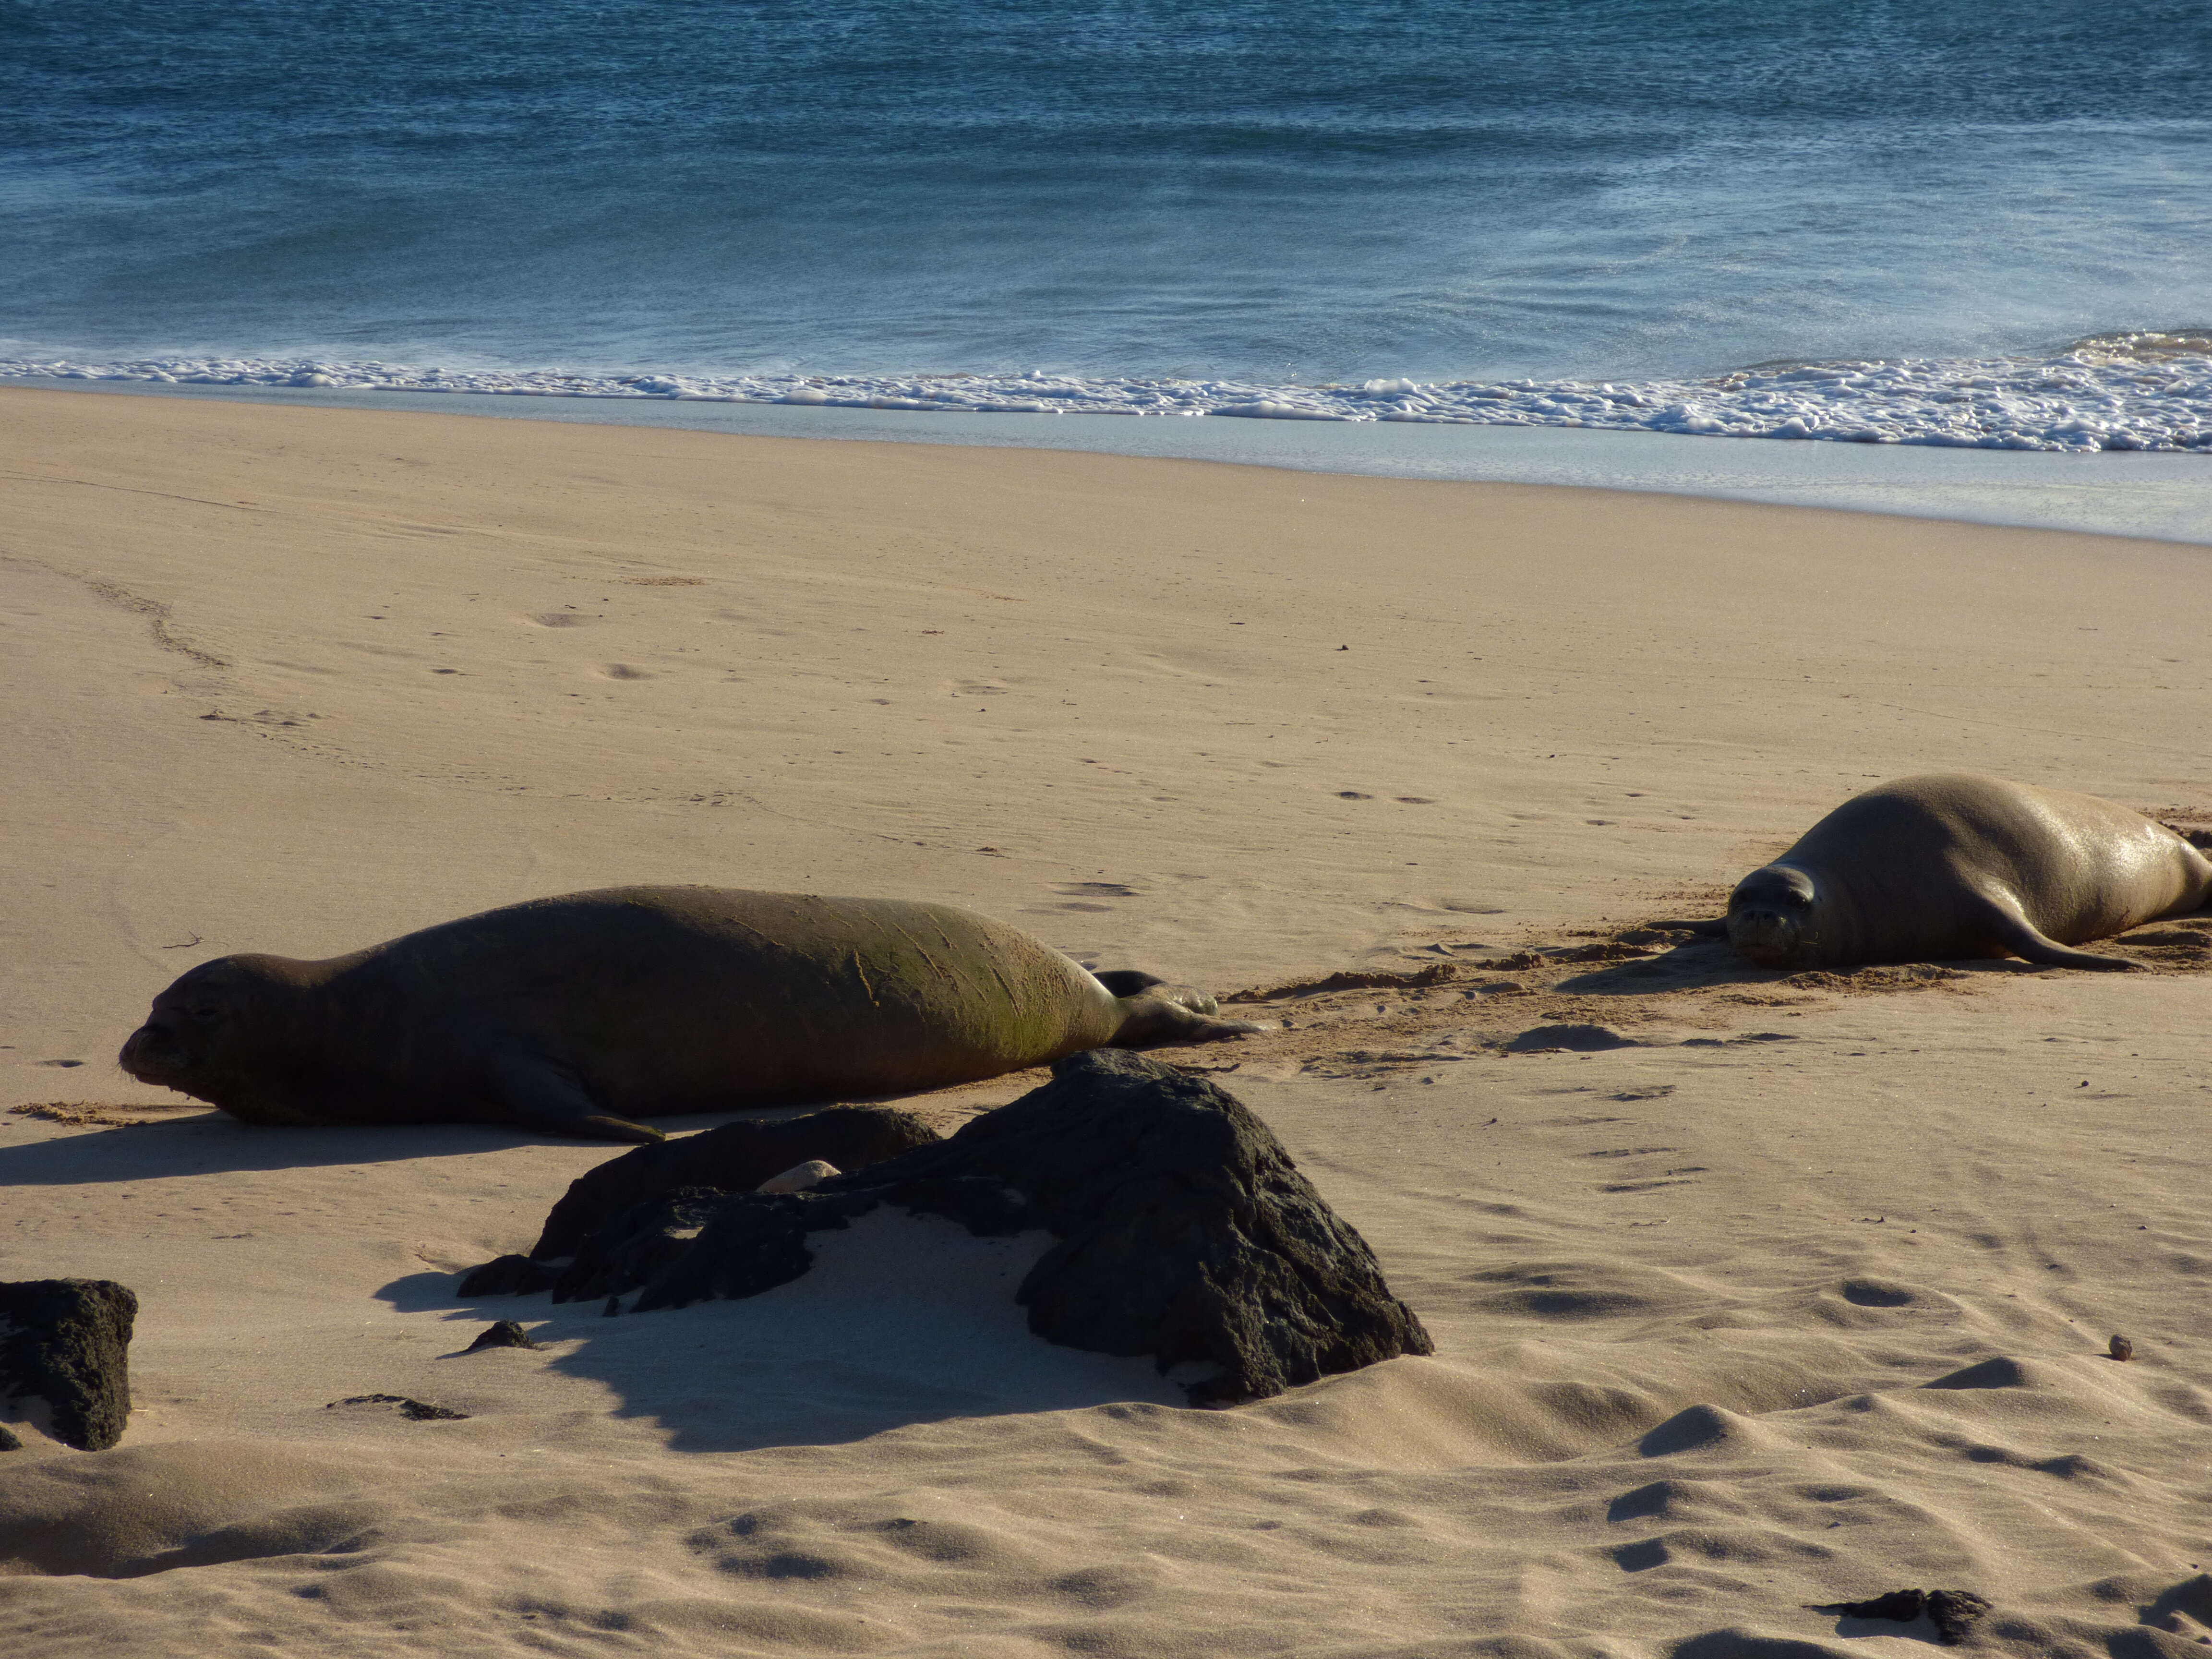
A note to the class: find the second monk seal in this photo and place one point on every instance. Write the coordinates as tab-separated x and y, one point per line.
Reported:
1959	864
578	1015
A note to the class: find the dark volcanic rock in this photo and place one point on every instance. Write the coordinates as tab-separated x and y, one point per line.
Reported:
734	1159
9	1440
636	1243
1954	1613
1182	1230
509	1275
504	1333
67	1342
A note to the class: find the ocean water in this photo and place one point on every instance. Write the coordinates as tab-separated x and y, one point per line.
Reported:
1933	223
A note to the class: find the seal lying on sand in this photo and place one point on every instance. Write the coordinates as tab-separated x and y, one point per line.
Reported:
1957	865
574	1016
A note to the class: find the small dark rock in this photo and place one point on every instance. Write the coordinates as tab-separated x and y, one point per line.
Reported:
67	1341
9	1440
506	1334
734	1159
1182	1230
509	1275
1954	1613
414	1410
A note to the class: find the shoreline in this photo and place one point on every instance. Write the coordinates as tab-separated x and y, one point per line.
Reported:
2158	496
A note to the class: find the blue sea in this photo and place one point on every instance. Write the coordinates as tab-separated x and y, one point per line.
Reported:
1942	221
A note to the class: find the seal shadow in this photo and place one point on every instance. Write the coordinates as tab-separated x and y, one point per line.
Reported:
1706	964
1695	965
901	1320
214	1141
208	1141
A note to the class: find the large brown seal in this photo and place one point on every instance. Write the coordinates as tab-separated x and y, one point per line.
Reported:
1957	865
578	1015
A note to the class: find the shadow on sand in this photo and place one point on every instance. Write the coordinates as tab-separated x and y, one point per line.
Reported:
207	1142
901	1320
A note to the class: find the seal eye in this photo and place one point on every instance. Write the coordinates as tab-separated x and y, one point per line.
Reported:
204	1016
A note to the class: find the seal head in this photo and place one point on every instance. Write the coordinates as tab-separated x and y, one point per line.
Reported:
1774	917
216	1034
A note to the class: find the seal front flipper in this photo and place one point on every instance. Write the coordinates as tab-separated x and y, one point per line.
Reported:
2010	924
546	1095
1714	929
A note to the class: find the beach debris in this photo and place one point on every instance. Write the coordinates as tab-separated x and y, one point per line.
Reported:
1183	1231
733	1158
1954	1613
799	1177
1606	951
9	1440
1353	979
2121	1348
67	1341
84	1113
414	1410
504	1333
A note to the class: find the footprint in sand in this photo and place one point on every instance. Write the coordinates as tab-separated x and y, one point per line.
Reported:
1084	894
623	670
560	619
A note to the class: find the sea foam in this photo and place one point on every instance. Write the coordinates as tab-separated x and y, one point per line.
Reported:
2139	391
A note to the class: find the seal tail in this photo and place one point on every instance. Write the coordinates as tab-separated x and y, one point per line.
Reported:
2017	935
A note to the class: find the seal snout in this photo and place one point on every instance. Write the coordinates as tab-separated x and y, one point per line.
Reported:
1770	917
155	1053
172	1046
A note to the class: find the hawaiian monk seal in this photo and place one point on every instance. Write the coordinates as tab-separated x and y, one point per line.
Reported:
1957	865
578	1015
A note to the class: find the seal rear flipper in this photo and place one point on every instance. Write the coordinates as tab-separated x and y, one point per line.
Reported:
1154	1021
540	1095
1127	981
2010	926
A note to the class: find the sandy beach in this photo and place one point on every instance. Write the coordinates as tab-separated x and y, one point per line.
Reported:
1799	1295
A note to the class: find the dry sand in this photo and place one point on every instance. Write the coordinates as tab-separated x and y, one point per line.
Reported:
1802	1296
